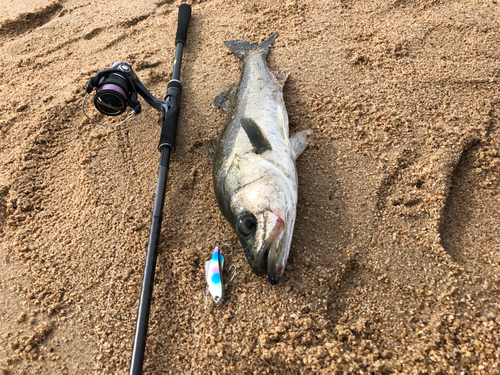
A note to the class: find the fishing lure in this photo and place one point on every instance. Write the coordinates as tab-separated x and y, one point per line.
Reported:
213	273
214	269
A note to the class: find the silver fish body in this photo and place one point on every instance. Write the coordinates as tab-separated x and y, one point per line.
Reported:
254	173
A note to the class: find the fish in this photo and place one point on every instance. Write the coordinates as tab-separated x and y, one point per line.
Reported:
253	161
213	273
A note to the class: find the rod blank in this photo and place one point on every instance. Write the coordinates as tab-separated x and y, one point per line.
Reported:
169	127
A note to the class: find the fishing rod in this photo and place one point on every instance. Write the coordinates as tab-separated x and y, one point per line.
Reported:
116	90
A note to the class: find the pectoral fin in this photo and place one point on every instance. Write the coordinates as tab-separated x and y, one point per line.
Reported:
299	141
256	135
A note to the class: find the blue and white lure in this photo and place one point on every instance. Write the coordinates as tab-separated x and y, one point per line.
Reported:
213	272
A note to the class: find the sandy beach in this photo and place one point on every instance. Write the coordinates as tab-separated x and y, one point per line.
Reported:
395	261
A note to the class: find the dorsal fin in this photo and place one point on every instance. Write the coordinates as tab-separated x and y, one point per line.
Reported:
223	100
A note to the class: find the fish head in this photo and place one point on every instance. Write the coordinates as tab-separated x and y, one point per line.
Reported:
263	211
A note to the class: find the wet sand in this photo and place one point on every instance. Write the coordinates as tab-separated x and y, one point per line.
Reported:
395	261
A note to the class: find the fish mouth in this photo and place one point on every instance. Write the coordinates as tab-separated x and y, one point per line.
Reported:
267	256
275	261
262	268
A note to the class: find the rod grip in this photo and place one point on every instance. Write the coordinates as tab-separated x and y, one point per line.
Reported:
183	23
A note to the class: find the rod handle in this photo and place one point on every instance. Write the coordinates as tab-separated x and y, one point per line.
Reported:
183	23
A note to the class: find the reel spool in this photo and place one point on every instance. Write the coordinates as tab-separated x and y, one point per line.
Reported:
115	92
111	98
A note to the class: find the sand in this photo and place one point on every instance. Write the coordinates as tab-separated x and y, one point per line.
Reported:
394	266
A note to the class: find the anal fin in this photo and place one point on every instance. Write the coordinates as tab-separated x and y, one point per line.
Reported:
256	136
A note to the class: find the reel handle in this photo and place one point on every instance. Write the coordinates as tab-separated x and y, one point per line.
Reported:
183	23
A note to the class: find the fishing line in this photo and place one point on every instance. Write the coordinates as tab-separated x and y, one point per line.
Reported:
120	231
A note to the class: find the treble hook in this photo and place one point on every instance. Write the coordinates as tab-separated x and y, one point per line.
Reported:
234	274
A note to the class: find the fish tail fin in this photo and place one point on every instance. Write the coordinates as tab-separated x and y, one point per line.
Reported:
241	47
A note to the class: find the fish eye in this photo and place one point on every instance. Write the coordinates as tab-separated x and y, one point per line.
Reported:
247	225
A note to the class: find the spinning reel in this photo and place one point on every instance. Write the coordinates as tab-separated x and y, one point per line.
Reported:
117	89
